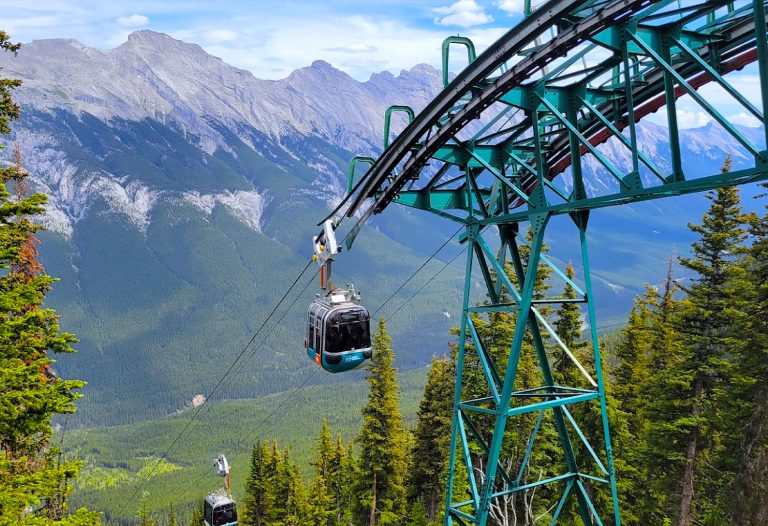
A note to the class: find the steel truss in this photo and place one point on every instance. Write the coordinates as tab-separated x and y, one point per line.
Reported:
516	138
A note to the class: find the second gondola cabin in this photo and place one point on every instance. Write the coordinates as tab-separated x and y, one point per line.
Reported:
219	509
339	331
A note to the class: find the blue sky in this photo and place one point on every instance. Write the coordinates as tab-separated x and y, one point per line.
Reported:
272	38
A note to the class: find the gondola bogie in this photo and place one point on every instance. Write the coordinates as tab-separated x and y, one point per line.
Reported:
219	509
339	332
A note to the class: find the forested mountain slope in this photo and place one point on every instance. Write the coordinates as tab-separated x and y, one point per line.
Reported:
184	193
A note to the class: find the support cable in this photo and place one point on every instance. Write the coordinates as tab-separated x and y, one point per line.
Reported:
441	247
216	387
198	482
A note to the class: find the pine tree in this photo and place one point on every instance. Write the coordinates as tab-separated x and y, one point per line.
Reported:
568	329
747	503
496	331
380	498
696	376
296	508
144	518
658	391
259	491
344	473
323	506
197	517
33	481
431	440
646	343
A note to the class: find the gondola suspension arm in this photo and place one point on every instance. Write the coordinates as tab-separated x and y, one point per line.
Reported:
325	249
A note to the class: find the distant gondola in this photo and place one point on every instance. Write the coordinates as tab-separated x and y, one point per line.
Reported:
339	331
219	509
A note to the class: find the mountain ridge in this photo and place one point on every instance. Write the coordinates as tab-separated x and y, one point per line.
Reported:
183	193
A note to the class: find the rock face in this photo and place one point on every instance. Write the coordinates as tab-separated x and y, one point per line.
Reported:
183	193
153	77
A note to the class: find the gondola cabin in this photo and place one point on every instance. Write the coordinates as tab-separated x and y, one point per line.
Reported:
219	509
339	331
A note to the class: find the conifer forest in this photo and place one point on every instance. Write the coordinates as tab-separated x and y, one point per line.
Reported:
155	201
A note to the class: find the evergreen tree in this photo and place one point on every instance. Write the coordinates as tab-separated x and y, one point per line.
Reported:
568	329
34	481
496	331
259	491
748	505
323	507
343	474
432	440
144	518
171	515
296	509
380	498
197	517
655	388
688	425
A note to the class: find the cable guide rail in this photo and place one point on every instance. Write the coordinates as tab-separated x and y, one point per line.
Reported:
597	70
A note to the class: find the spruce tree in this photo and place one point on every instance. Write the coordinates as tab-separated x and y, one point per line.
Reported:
695	378
343	474
171	515
431	440
657	391
197	517
748	505
323	507
380	498
568	329
259	491
33	481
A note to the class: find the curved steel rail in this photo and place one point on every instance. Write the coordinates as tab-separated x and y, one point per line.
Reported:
722	44
511	134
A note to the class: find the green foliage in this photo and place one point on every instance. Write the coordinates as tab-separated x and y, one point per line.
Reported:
197	516
380	497
747	490
688	380
171	515
432	440
274	491
34	476
144	518
328	491
701	374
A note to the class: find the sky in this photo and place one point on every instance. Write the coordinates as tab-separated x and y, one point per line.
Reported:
273	38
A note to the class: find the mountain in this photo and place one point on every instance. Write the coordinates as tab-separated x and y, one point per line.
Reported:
184	192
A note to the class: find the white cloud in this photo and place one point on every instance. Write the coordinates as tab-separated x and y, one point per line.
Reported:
220	35
357	45
692	119
133	20
511	7
685	118
464	13
745	119
271	44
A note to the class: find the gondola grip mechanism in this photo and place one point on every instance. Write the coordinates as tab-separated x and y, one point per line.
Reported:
325	249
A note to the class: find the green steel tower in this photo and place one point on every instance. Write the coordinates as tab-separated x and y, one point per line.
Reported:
515	140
